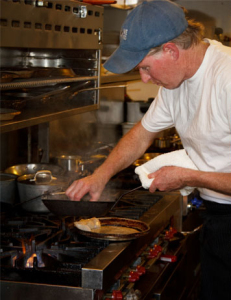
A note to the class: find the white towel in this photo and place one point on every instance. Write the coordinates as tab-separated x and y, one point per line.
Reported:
178	158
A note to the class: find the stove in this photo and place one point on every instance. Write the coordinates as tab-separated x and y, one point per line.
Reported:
44	256
42	249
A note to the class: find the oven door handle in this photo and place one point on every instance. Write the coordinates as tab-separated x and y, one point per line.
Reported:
185	233
163	288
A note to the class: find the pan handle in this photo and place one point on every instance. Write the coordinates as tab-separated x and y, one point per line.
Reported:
56	193
121	196
43	176
39	196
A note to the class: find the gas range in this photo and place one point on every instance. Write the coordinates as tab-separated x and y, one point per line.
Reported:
45	256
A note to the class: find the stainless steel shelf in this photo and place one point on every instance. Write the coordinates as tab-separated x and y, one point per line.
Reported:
110	78
33	117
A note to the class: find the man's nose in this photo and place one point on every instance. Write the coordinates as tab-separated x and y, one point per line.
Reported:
145	77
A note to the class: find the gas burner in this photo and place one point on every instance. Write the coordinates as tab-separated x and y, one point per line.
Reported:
44	249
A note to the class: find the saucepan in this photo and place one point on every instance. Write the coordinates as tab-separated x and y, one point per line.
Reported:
60	205
32	168
31	188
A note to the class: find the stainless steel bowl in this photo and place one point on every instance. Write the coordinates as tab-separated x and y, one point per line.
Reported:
22	169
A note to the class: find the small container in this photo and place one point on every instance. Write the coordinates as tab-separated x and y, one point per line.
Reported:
111	112
136	110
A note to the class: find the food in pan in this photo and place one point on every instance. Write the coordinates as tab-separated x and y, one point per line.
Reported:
88	224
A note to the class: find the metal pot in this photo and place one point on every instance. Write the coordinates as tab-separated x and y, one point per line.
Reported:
8	188
22	169
79	165
71	163
166	142
162	142
32	187
145	158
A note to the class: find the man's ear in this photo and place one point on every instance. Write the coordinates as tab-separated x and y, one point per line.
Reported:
172	50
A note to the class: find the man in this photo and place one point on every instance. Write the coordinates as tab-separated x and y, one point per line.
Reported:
195	97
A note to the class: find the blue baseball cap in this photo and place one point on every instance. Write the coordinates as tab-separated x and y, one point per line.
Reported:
150	24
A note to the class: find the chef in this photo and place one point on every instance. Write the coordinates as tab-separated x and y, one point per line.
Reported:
194	75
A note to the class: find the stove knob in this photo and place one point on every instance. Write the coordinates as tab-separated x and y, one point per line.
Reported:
158	248
140	270
117	295
133	276
153	253
170	233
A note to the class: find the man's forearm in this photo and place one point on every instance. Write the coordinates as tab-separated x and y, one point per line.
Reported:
129	148
218	182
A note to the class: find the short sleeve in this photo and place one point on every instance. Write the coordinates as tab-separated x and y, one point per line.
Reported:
158	116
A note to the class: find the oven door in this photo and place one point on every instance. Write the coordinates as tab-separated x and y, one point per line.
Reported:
183	281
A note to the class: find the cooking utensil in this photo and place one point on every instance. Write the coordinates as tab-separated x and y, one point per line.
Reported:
71	163
78	165
121	196
43	176
7	188
166	142
146	157
162	142
31	189
60	205
22	169
117	229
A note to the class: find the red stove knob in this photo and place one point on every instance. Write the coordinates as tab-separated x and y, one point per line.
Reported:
117	295
133	276
170	233
140	270
158	248
153	253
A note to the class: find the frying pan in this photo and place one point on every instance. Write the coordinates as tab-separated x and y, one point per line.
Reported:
60	205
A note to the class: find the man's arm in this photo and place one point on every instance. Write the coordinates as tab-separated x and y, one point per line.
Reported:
172	178
129	148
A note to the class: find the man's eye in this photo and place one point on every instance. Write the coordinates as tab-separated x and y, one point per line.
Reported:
145	69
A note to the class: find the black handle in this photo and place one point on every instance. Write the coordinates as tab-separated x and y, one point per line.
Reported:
121	196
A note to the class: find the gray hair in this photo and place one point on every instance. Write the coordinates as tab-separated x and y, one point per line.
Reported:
193	35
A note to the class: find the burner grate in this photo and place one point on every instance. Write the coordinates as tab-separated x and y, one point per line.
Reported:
42	249
134	205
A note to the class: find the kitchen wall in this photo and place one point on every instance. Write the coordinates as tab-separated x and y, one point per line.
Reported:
213	14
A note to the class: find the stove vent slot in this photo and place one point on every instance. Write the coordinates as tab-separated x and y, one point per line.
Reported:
56	24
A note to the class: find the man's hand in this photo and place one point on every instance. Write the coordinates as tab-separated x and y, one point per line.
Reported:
168	179
90	184
173	178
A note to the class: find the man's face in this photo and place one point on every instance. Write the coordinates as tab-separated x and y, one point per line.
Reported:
161	69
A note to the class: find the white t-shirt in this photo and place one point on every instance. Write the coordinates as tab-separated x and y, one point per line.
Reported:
200	110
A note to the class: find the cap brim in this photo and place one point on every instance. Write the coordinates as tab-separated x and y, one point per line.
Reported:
123	61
